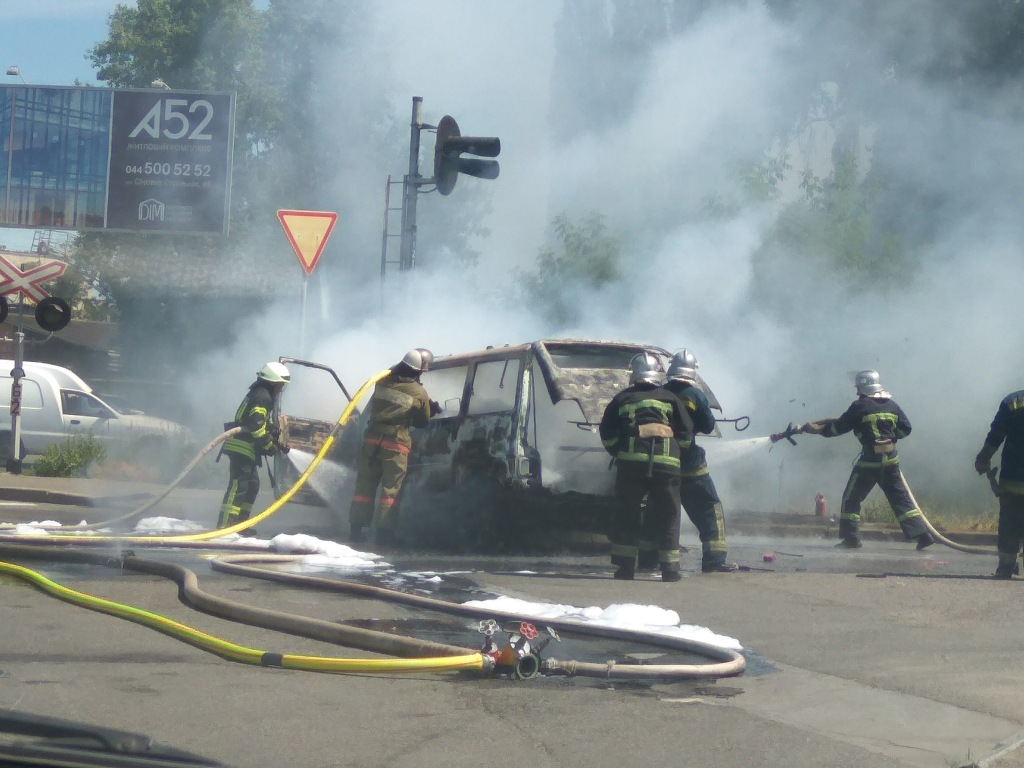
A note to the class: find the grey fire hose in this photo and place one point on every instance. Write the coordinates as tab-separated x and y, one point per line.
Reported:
939	537
727	662
139	511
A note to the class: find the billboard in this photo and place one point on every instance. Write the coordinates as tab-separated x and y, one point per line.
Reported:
140	160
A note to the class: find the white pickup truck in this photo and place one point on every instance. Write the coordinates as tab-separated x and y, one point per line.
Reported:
57	403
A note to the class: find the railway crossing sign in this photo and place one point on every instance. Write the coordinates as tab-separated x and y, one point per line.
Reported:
28	282
307	231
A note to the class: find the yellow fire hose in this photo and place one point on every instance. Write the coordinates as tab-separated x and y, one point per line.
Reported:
233	651
54	538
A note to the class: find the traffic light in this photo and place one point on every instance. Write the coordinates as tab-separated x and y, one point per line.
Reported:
451	144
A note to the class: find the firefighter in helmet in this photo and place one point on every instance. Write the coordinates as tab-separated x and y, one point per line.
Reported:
1007	430
646	428
398	403
696	490
877	422
257	438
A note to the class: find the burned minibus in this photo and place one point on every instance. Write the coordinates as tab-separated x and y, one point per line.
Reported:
514	460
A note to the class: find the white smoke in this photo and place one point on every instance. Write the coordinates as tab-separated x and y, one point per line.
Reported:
707	96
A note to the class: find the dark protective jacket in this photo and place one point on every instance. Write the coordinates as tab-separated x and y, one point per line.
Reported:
398	403
692	461
646	428
253	416
1008	426
877	422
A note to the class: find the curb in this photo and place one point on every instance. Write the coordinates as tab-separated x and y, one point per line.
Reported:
44	496
47	496
821	531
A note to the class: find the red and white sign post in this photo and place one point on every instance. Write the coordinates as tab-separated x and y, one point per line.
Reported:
307	231
25	283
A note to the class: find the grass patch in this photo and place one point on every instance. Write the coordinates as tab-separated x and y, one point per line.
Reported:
77	456
945	515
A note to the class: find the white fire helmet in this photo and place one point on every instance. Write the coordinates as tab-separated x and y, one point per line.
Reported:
275	373
683	366
418	359
869	384
645	367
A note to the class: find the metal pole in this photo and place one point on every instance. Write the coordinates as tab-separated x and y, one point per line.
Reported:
14	460
410	190
384	232
302	321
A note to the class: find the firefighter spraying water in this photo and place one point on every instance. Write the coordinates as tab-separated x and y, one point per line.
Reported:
877	422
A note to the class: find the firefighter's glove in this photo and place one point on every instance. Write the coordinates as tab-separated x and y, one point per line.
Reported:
983	461
284	449
435	408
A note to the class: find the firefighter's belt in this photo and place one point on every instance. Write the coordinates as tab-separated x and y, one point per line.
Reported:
655	430
883	447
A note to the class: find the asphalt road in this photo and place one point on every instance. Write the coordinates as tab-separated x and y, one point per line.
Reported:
847	666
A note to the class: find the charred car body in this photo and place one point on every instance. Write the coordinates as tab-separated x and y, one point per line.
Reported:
514	459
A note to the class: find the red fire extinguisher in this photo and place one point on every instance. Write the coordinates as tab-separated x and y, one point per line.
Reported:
820	505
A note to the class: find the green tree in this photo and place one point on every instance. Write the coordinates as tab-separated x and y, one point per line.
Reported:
587	258
160	284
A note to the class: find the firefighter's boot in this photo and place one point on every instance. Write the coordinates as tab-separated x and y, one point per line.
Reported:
670	572
647	560
1007	567
624	572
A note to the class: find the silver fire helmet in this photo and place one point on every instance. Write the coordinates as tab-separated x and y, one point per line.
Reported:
418	359
683	366
645	367
869	384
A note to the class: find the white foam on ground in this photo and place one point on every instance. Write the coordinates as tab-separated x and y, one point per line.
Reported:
646	618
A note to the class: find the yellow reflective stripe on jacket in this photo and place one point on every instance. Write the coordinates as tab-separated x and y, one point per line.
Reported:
241	447
1011	486
665	409
660	453
888	460
872	420
393	396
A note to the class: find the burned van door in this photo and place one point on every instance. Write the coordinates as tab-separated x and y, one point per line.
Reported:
430	459
482	445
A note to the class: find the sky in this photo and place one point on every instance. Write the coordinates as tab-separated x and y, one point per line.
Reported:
699	99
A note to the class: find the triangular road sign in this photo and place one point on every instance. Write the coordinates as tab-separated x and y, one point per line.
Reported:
307	231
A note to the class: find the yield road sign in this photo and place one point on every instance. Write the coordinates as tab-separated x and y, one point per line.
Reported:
14	280
307	231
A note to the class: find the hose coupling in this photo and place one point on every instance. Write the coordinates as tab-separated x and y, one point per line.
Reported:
120	560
